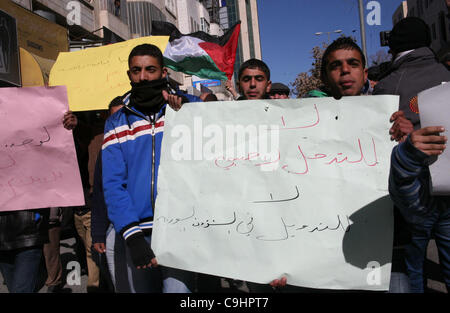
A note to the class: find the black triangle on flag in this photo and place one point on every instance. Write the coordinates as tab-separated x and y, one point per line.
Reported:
160	28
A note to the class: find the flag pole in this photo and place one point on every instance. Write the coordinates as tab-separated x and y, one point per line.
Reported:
363	29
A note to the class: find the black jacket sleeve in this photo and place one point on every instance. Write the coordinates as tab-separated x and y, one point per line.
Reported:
99	217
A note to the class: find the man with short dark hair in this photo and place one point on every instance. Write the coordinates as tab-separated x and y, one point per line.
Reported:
254	84
279	91
208	97
254	80
343	69
343	73
130	156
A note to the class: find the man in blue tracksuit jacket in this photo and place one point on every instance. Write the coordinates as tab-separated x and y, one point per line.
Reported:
130	155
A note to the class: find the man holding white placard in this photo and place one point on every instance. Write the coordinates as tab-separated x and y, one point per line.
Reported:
419	185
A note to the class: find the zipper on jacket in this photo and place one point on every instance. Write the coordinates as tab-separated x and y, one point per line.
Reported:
152	194
151	119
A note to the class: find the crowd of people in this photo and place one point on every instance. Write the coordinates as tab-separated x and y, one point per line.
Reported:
117	221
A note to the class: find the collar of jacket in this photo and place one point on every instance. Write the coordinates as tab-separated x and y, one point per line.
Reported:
133	110
402	54
415	57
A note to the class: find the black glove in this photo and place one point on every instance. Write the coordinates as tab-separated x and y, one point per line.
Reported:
140	250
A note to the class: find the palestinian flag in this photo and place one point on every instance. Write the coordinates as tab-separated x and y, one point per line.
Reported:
199	53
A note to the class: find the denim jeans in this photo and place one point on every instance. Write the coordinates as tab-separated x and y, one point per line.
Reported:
127	278
121	274
109	244
399	283
438	223
20	269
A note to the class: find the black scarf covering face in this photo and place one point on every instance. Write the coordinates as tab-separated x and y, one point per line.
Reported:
147	96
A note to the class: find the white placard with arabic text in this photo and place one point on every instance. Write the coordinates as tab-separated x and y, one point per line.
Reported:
256	190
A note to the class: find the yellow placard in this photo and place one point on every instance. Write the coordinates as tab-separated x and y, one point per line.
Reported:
96	76
31	71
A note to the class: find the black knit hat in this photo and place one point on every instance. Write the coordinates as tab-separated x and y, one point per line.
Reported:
279	88
409	33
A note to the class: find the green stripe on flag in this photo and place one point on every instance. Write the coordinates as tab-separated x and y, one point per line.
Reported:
202	66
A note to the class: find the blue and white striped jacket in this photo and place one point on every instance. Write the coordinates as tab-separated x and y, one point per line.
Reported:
130	155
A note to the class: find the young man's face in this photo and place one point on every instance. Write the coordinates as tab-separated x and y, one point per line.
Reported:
254	84
345	73
145	67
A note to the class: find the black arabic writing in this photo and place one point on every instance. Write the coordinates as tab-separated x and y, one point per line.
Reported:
29	141
246	226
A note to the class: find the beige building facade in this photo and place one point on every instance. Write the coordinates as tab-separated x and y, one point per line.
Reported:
100	22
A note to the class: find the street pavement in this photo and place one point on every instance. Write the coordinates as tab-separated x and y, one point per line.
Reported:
68	256
435	282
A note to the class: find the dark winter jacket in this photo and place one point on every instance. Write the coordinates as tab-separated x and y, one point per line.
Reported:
99	215
21	229
409	75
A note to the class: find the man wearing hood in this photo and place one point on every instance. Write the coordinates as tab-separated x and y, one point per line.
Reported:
130	154
415	68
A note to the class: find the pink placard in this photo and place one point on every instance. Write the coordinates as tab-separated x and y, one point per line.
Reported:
38	163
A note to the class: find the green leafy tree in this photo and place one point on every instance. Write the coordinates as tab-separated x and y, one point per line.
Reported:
307	81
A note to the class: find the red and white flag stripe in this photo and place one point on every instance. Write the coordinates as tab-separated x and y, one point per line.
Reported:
123	133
